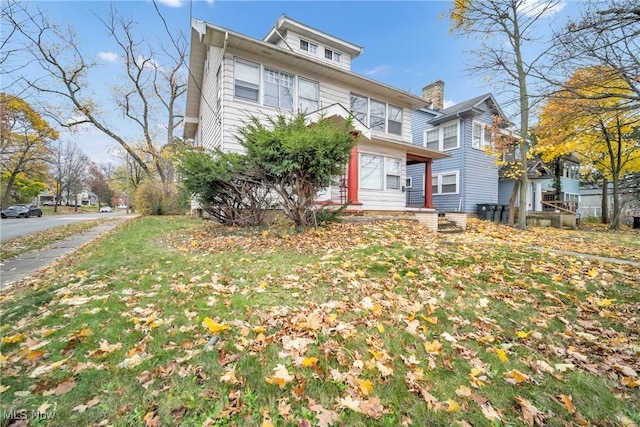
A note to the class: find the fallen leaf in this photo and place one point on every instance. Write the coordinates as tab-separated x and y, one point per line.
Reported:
213	327
365	386
280	376
530	414
62	388
568	403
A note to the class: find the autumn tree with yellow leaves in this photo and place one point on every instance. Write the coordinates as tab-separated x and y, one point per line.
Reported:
25	139
603	136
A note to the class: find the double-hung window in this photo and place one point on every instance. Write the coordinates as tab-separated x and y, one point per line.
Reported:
377	115
450	137
308	46
246	79
307	95
392	172
446	183
394	120
332	55
278	89
360	108
481	135
432	139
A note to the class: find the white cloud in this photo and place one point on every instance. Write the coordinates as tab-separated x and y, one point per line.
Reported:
172	3
536	7
448	103
108	56
383	69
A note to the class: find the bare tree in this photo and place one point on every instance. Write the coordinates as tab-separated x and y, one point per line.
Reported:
606	35
69	171
147	87
506	28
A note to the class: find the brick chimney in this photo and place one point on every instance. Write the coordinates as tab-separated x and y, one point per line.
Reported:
433	93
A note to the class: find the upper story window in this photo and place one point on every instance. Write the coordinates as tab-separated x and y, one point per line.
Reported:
442	138
308	95
360	108
308	46
332	55
246	79
278	89
378	115
481	136
571	171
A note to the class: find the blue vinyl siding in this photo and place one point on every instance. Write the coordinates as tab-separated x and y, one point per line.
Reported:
477	170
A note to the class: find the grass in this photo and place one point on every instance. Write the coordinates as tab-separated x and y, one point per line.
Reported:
16	246
370	324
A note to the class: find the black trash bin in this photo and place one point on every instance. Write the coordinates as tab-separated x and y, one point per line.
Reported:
636	222
505	214
486	211
497	213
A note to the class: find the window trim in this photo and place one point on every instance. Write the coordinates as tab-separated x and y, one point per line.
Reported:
483	142
367	114
248	85
335	55
300	97
440	130
265	70
313	51
408	182
438	190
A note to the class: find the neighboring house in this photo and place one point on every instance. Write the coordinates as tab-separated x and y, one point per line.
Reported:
298	68
541	191
470	176
629	193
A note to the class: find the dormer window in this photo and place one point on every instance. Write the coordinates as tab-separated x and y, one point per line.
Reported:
332	55
308	46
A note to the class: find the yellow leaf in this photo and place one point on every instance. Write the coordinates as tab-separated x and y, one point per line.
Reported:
309	361
475	372
265	233
502	355
214	327
630	382
568	403
452	406
365	386
433	347
13	339
593	272
380	327
523	334
605	302
515	376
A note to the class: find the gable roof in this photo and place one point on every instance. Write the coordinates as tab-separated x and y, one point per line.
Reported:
468	109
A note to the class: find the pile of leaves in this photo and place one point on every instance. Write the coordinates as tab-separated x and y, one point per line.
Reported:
174	321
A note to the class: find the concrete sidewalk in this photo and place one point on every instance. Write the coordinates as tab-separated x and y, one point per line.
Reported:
25	265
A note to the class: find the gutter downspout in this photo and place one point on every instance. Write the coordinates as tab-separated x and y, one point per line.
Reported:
463	168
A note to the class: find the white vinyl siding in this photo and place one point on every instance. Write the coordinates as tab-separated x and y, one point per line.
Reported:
445	183
308	95
247	80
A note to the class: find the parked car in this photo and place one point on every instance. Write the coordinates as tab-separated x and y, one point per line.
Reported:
21	211
105	209
49	203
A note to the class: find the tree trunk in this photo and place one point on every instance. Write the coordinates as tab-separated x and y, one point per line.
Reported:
605	201
7	191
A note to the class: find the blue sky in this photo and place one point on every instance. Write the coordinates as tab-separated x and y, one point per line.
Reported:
407	44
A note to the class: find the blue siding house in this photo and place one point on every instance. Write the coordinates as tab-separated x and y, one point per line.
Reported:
470	176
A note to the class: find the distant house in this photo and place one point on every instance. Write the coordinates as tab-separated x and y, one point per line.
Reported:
629	193
299	68
542	194
470	176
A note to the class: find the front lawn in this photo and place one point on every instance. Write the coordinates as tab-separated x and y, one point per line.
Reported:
175	321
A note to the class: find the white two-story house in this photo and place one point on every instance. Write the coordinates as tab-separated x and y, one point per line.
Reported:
298	68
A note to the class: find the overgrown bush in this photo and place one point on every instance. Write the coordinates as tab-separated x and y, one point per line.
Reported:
152	198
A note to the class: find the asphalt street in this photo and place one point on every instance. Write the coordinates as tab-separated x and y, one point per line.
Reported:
25	265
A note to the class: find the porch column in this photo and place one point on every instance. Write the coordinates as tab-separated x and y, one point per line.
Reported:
352	178
428	190
538	197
